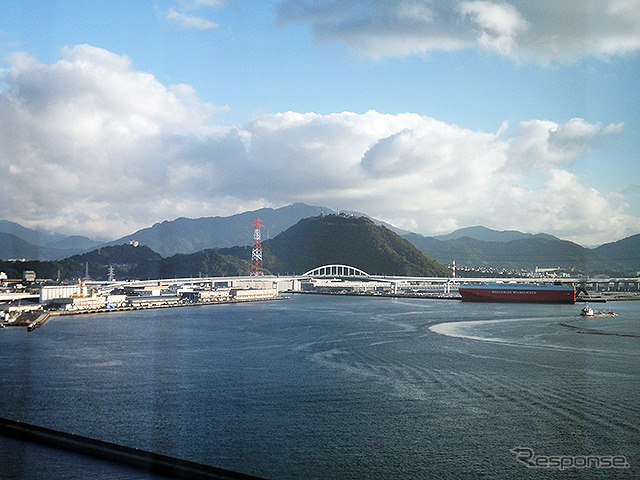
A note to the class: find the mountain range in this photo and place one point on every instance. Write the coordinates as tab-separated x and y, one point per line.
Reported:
487	235
312	242
477	247
17	241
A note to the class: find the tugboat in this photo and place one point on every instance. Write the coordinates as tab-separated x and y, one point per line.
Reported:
590	312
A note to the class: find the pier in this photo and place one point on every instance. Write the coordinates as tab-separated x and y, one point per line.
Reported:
31	320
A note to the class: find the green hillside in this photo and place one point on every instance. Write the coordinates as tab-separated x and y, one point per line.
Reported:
124	259
205	263
621	256
130	263
355	241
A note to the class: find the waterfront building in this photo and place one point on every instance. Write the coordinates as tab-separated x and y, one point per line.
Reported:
254	294
54	292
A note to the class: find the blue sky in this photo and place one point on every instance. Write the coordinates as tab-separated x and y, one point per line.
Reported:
431	115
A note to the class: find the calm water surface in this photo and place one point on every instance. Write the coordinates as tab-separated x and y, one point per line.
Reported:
330	387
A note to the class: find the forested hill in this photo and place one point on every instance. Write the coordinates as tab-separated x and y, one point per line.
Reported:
348	240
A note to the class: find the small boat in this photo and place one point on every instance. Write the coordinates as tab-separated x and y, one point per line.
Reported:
590	312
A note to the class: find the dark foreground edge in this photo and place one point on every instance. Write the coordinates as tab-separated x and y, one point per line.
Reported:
134	457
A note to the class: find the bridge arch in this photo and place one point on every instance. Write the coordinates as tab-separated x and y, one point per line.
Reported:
336	271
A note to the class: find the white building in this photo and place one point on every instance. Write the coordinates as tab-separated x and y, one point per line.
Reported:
254	294
49	293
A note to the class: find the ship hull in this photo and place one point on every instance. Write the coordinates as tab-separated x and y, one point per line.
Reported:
519	293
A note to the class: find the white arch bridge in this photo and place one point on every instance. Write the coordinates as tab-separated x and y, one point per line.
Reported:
336	271
336	277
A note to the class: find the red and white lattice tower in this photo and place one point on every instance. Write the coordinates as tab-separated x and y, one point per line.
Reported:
256	253
454	268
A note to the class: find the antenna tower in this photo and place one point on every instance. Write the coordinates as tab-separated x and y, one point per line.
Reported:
256	253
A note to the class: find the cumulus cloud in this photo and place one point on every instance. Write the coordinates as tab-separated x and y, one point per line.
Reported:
544	144
88	140
520	29
92	146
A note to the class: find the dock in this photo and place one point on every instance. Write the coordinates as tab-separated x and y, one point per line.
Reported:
31	320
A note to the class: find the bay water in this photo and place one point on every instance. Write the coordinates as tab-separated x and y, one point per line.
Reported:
332	387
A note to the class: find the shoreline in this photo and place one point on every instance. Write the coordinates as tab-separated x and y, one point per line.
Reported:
153	307
32	321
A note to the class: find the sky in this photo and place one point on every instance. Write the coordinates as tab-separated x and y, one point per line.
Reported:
431	115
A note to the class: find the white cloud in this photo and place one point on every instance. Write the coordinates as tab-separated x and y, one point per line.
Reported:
207	3
543	144
195	4
189	21
521	29
91	134
498	24
92	146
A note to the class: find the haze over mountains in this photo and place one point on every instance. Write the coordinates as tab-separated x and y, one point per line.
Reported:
17	241
472	246
488	235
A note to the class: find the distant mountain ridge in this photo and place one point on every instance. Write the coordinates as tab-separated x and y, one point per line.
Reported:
472	246
624	252
620	258
34	237
310	243
17	241
185	235
488	235
12	246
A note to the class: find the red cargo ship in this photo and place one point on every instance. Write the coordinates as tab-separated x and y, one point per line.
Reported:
518	292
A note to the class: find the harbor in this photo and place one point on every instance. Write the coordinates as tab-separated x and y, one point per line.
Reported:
32	307
327	386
